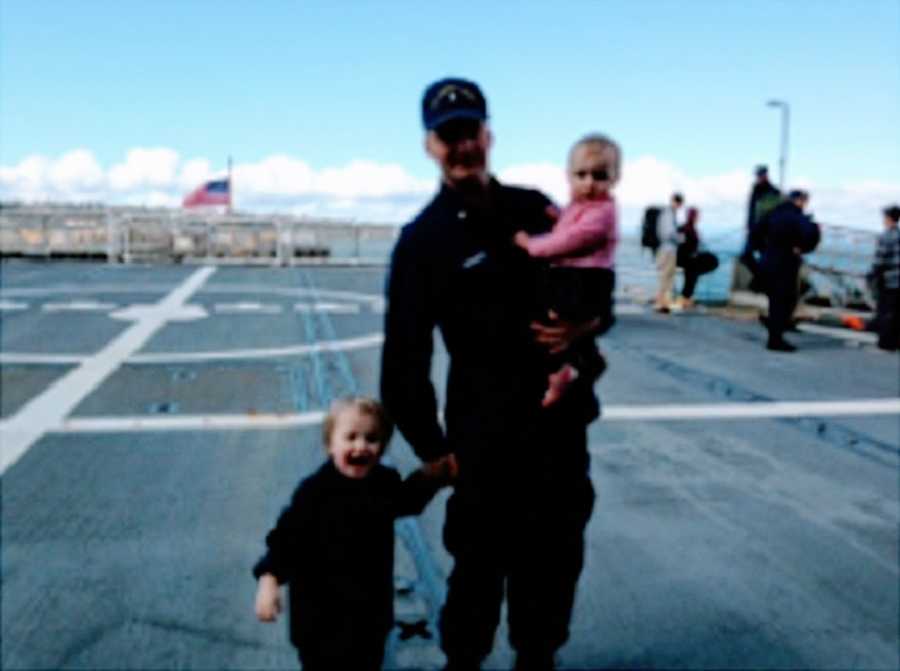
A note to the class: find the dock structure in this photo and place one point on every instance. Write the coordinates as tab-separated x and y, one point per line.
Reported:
154	418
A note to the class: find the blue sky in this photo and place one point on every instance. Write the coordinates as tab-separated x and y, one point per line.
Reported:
318	102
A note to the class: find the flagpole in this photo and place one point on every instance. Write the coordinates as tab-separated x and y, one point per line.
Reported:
230	186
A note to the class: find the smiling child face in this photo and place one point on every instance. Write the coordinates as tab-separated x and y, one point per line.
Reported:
356	442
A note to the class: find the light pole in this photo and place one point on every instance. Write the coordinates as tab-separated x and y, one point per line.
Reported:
785	123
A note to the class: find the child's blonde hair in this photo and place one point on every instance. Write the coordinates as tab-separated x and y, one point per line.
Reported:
366	406
602	141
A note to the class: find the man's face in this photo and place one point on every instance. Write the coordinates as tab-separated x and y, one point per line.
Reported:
460	148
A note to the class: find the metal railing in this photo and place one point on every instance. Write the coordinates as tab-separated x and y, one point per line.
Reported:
136	234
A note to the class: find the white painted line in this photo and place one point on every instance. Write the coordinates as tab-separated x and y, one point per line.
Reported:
46	412
247	307
139	311
877	406
190	422
333	308
296	292
715	411
362	342
87	289
79	306
839	333
12	357
11	305
628	309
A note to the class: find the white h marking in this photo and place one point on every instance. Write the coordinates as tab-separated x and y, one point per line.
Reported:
46	412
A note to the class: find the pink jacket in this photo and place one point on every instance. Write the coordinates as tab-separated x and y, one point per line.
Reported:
585	236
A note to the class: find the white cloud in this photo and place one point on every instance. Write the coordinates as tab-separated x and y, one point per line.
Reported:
76	171
143	168
387	192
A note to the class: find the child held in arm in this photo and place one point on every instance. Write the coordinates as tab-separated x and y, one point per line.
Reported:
334	543
581	251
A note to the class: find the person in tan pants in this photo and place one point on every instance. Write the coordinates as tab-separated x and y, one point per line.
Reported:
667	254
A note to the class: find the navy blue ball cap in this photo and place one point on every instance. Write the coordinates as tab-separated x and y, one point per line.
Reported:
452	98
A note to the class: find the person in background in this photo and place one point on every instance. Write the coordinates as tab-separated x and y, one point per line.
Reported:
784	235
764	197
694	261
667	253
885	277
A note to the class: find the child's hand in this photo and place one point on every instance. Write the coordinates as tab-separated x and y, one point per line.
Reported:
520	239
268	598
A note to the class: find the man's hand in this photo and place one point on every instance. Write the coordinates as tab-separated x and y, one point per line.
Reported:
552	212
446	468
520	239
268	598
557	335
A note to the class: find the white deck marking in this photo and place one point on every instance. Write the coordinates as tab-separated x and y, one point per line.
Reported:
628	309
361	342
25	357
621	413
190	422
79	306
139	311
333	308
46	412
12	305
247	308
874	406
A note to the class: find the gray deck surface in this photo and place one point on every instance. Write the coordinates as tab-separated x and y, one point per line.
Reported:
755	543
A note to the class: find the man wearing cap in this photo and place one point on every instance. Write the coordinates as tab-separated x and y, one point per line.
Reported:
763	198
784	235
885	275
515	522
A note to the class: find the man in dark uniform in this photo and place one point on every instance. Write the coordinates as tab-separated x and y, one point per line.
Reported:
762	197
784	235
515	522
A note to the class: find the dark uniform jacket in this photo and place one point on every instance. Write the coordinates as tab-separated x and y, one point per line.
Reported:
783	230
334	546
455	268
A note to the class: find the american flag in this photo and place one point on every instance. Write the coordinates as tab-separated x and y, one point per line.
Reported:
215	192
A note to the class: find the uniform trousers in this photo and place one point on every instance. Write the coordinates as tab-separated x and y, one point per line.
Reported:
523	537
888	319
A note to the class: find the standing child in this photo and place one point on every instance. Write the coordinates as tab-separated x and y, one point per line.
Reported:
581	249
334	543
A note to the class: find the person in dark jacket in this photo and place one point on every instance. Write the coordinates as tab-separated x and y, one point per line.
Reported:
334	543
784	235
689	257
763	197
885	276
515	522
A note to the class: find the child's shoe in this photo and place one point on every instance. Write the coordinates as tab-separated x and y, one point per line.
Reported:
559	382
